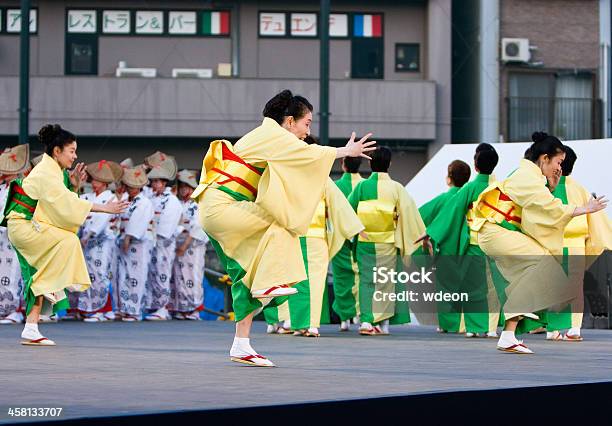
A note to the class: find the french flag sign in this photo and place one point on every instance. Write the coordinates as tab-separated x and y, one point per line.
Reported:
367	25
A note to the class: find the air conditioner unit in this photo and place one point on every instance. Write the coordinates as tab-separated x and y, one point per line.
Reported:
192	73
515	50
136	72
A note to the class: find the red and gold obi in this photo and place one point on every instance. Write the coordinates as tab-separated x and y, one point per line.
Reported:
225	170
497	207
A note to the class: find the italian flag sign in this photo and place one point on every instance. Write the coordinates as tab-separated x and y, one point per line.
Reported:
367	25
215	23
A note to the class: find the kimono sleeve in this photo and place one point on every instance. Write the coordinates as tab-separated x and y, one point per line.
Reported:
57	205
140	219
293	182
343	222
410	226
544	217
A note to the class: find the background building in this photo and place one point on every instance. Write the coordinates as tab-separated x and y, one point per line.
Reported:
390	70
526	65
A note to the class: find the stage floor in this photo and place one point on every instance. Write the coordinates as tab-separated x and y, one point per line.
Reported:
119	368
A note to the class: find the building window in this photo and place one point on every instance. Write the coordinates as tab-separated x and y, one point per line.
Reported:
560	104
367	56
407	57
81	54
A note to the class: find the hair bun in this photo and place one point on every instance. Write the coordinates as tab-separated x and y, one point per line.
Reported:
539	136
285	96
48	132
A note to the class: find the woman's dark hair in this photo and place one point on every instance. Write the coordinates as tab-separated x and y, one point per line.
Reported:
485	158
351	164
543	143
567	166
286	105
381	159
459	173
52	135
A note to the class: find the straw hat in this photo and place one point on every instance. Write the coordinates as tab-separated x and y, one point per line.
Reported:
127	163
159	159
105	171
156	159
135	177
14	160
189	177
164	170
36	160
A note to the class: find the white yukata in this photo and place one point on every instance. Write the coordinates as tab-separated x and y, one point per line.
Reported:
168	213
11	283
98	251
186	290
137	222
114	226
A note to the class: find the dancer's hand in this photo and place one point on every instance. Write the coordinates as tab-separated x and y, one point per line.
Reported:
364	235
356	149
112	207
553	181
426	241
77	176
596	204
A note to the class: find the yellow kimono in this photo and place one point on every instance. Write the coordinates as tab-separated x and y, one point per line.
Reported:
47	240
333	223
520	224
255	199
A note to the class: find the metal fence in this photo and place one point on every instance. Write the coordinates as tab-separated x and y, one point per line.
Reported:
566	118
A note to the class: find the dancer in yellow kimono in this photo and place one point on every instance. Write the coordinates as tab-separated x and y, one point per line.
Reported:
43	213
520	225
346	274
333	223
585	238
256	198
392	222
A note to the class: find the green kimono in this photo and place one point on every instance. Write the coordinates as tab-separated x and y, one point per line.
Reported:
462	266
392	224
430	209
346	278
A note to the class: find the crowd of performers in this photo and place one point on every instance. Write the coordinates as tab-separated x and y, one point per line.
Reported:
130	249
518	246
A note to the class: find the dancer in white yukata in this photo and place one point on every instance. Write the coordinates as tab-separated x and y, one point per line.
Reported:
155	160
135	243
168	211
13	162
186	290
98	241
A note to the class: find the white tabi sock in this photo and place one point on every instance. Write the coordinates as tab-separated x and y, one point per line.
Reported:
242	347
574	331
30	331
506	339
